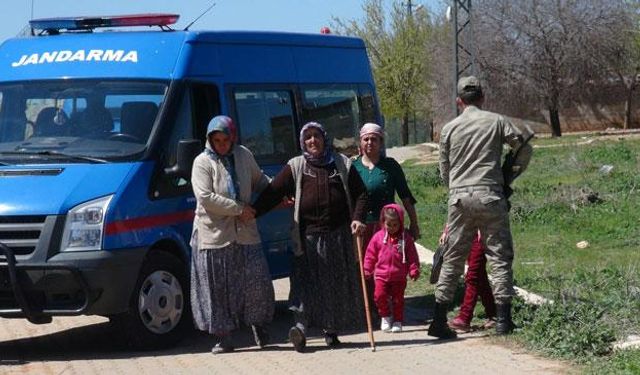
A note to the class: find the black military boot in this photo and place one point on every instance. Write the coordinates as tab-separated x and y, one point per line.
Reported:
504	324
439	327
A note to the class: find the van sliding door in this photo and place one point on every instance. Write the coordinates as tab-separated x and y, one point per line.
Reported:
266	125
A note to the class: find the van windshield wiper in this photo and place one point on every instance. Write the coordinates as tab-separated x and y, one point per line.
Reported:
56	154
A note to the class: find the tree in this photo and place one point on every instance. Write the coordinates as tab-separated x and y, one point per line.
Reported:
397	47
442	71
541	48
620	57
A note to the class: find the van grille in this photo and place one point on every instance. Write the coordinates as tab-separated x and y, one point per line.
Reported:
21	233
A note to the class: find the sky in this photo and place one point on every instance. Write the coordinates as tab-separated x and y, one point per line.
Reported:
307	16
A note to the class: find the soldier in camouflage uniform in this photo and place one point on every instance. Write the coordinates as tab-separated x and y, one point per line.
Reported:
470	164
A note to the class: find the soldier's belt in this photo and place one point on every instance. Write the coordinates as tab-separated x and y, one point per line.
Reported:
471	189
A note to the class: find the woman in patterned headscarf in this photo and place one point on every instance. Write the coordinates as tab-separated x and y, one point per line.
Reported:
330	202
230	278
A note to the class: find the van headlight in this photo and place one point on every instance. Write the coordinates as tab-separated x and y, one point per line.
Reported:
84	227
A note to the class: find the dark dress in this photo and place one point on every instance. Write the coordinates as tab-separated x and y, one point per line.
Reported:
325	278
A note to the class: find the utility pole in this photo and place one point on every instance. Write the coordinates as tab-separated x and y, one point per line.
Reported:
409	4
410	7
463	42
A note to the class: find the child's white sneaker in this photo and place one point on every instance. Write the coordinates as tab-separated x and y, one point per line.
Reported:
385	324
397	327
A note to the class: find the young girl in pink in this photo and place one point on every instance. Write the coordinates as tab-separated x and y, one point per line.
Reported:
390	257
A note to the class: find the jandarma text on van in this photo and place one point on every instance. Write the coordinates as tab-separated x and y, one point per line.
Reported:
48	57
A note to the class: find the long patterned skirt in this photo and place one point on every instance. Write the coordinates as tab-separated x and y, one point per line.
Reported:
230	285
326	281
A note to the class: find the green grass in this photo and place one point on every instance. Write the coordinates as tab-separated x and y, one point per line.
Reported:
564	198
623	362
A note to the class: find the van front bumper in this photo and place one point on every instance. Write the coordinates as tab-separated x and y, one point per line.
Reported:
70	283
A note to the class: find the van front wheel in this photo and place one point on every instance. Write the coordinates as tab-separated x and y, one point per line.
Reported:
158	313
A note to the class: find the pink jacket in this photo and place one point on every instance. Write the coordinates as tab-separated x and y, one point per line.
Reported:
392	258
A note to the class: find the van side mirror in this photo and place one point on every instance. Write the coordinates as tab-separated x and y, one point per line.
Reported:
188	149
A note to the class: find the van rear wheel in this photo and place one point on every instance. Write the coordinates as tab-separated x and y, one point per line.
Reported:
159	308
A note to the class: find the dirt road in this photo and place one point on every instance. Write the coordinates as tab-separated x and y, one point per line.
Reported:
83	345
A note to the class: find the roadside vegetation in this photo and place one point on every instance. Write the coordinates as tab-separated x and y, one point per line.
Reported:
572	193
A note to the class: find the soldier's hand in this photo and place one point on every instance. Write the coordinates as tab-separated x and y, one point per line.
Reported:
443	237
414	229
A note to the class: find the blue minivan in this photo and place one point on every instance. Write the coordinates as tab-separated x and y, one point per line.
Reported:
98	130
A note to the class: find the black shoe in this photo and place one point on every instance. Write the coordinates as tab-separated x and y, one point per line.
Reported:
441	331
504	323
224	346
439	327
331	339
297	338
260	335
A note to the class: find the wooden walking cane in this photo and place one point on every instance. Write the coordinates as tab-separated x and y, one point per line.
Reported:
367	310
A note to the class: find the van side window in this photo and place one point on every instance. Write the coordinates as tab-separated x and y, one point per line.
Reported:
336	107
368	107
182	129
199	104
178	126
266	123
191	112
206	105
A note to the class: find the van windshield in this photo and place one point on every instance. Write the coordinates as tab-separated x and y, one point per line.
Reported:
105	120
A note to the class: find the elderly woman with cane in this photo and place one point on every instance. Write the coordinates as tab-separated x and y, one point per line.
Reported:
330	202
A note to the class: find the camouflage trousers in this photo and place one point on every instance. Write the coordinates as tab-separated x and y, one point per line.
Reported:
471	209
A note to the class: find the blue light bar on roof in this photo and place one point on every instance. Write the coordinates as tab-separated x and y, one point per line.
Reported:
85	23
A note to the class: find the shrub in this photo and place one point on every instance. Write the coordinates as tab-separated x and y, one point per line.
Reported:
429	177
567	330
591	308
